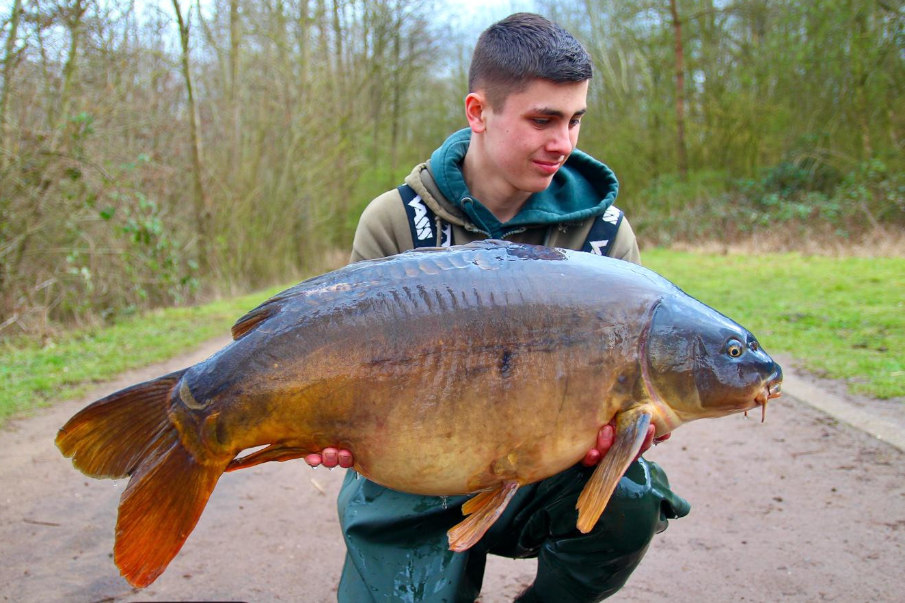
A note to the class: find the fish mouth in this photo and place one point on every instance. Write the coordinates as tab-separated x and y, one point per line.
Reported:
772	389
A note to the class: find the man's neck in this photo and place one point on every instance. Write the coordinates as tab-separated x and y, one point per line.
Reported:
493	192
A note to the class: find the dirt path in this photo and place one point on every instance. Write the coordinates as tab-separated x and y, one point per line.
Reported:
801	508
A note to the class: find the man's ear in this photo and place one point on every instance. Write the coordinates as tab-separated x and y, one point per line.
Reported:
475	108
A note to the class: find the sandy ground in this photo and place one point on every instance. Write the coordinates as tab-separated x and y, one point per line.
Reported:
804	507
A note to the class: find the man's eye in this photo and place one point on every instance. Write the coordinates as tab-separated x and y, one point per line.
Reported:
574	122
540	121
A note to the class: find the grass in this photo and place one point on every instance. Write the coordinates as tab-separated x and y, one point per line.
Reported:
841	318
32	375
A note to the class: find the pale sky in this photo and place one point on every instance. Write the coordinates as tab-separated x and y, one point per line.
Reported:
493	10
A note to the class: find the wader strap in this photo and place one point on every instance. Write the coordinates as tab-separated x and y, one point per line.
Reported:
424	225
603	231
423	222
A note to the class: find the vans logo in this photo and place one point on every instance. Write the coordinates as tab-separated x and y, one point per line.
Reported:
421	220
446	235
603	231
597	247
612	215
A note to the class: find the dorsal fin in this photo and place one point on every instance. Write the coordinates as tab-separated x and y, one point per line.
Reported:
248	322
323	287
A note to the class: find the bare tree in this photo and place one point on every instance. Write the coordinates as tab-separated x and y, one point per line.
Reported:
681	147
235	42
9	62
73	18
202	204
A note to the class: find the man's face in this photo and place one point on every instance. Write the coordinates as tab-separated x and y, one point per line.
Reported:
527	141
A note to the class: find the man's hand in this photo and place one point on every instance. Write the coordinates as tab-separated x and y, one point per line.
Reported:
607	435
330	458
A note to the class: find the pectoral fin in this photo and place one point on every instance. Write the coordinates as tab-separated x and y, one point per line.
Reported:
631	428
482	510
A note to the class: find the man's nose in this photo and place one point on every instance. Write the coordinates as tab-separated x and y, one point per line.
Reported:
560	141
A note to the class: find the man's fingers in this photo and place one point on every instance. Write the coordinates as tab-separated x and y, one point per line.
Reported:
591	458
314	459
607	435
330	456
605	438
345	459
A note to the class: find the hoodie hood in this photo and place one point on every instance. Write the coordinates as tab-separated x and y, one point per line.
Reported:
583	187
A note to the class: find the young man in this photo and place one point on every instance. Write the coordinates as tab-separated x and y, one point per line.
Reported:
513	174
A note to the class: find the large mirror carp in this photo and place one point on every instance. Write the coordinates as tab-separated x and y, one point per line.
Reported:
497	363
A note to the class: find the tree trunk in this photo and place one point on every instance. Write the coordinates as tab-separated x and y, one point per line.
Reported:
397	101
340	70
860	74
681	149
202	205
235	36
304	52
74	24
9	61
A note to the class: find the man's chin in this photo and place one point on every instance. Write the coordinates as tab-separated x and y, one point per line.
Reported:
538	185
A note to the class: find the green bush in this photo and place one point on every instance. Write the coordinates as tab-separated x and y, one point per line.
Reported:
803	198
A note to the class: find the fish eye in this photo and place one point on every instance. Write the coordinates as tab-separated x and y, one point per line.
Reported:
734	348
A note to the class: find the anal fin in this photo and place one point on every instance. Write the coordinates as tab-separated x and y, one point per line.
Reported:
482	511
274	452
631	429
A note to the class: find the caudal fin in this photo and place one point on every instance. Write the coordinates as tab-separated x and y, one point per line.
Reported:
130	433
110	437
159	509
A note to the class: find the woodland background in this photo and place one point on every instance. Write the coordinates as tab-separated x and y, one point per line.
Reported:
157	153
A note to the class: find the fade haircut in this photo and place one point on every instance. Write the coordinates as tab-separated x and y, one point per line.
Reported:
521	48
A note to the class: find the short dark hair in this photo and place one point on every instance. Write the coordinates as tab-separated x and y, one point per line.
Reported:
521	48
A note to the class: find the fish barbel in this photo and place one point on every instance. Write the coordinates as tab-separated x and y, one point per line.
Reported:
498	363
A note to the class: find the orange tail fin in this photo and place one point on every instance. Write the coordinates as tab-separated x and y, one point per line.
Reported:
130	433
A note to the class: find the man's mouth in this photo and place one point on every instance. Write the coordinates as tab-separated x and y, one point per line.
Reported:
548	167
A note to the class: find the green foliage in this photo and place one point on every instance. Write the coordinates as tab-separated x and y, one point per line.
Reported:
877	190
768	85
709	206
92	240
839	318
151	257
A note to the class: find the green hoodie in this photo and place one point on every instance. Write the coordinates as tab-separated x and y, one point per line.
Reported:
582	188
